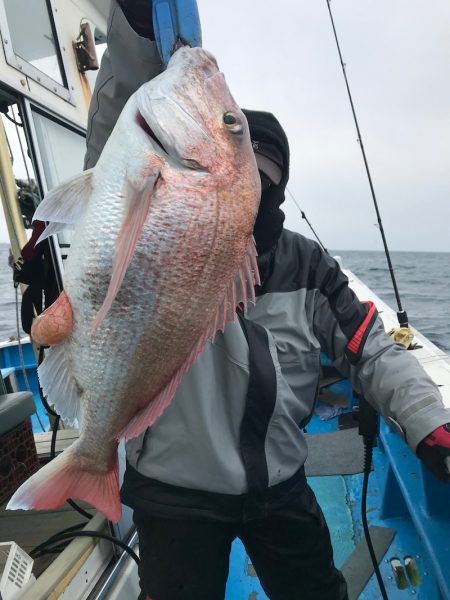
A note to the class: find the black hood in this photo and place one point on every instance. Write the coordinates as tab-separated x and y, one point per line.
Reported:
264	127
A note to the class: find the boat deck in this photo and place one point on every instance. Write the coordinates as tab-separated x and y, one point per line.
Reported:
30	528
340	499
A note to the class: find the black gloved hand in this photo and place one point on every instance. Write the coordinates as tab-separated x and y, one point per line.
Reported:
434	450
139	15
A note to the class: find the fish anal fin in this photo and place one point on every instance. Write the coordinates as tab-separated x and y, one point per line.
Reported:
59	385
55	324
139	196
66	477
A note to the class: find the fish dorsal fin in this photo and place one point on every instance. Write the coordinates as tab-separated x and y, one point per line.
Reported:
64	204
139	194
242	290
58	384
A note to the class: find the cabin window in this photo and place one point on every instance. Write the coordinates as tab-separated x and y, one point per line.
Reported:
61	149
30	42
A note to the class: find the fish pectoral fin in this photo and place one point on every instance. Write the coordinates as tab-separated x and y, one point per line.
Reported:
67	477
59	385
139	192
64	205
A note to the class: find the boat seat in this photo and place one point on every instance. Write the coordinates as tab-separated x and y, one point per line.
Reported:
14	409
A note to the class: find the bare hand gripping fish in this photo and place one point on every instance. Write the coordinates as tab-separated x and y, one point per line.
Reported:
162	254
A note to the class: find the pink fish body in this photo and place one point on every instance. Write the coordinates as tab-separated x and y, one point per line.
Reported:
162	253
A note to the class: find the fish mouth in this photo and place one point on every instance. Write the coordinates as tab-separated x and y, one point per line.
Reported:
149	131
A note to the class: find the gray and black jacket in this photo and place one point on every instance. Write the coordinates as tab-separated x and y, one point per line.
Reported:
230	445
231	441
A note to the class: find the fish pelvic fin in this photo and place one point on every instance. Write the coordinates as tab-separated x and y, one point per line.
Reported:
139	192
66	477
59	385
65	204
242	289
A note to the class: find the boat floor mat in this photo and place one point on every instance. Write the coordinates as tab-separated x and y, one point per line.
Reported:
358	567
336	453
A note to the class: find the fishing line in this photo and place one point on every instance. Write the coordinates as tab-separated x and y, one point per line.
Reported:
401	314
17	124
306	219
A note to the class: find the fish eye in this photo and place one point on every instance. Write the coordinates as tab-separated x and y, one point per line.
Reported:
232	123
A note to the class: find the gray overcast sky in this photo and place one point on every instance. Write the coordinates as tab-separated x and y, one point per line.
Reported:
281	56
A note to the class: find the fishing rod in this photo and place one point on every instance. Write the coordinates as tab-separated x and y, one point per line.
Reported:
368	418
401	314
306	219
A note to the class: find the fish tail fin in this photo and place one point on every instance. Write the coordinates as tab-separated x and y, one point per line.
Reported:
66	477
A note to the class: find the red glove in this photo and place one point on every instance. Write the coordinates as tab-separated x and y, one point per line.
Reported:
434	452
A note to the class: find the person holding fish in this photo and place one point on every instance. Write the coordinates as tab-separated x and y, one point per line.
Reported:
175	334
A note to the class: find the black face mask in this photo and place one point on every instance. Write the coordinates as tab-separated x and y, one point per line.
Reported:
270	219
264	127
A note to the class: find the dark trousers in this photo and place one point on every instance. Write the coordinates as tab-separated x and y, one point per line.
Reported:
187	559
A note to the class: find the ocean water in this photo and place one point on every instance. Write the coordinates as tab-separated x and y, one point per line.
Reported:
8	327
423	279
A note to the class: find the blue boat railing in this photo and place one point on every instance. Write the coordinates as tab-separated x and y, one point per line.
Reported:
10	359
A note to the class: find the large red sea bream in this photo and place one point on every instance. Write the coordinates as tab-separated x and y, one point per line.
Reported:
162	253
